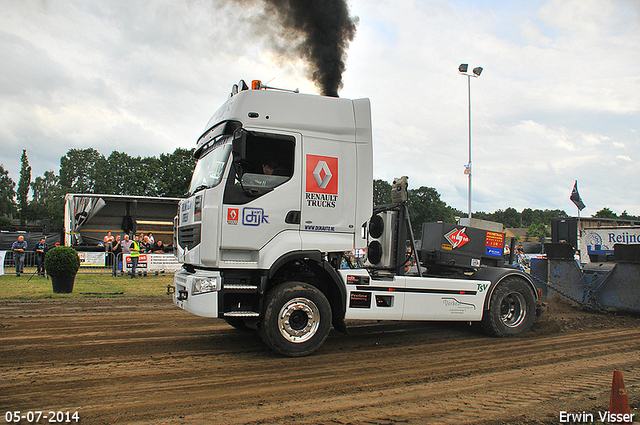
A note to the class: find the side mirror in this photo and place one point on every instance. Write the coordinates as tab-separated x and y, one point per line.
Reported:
238	150
239	145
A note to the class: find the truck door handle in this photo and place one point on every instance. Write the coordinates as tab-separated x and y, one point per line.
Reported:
293	217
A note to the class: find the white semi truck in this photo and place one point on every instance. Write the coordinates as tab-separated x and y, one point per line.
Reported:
282	190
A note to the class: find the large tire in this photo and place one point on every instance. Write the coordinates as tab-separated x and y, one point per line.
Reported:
297	319
512	308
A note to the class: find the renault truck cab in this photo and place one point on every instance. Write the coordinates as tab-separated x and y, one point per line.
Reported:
282	189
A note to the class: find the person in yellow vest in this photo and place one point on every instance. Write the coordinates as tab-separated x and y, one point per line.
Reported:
135	253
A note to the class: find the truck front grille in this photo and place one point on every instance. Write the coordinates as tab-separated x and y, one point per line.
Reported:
189	236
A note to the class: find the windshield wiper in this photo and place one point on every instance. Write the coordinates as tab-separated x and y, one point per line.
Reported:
197	189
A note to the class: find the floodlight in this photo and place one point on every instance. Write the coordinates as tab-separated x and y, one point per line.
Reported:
462	69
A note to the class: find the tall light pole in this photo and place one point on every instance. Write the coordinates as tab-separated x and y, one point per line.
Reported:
462	70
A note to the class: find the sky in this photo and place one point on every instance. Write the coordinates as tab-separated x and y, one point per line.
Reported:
558	99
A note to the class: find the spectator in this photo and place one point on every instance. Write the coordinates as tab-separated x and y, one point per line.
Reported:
158	247
108	241
135	254
520	257
41	250
117	257
126	250
152	240
145	245
19	247
126	245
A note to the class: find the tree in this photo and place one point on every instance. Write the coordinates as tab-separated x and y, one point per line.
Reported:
381	192
82	171
538	230
131	176
605	213
139	181
551	214
152	174
174	172
481	215
7	194
88	171
512	218
23	187
48	199
425	206
118	170
529	217
626	216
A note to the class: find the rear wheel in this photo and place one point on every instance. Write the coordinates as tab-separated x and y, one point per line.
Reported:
512	308
297	319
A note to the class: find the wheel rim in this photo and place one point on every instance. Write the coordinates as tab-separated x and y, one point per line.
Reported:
299	320
513	310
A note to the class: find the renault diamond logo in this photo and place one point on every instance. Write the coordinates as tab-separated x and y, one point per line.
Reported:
321	168
322	174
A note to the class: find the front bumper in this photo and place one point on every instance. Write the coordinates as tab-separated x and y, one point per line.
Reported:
197	292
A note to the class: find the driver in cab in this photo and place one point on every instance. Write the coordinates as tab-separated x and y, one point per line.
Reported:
270	168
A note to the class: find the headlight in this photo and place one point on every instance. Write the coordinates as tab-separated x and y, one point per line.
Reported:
204	284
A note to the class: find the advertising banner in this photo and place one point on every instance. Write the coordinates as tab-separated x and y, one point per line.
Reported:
600	241
154	262
92	259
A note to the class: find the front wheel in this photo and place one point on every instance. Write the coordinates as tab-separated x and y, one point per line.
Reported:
297	319
512	308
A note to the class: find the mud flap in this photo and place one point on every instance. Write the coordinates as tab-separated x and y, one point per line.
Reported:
339	325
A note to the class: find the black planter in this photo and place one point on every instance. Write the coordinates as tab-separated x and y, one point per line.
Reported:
62	285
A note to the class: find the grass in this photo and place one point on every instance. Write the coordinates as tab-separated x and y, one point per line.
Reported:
87	285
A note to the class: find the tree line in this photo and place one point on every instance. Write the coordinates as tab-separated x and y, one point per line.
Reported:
89	171
169	175
425	206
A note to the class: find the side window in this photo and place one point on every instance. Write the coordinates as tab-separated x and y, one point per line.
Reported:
267	162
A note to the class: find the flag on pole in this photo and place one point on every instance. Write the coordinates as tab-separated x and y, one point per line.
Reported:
575	197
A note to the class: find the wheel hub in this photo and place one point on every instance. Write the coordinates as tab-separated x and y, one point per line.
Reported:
513	310
298	320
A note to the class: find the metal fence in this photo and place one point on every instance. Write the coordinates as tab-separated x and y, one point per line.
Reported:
101	263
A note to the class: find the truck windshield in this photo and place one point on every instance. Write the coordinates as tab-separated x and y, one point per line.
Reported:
211	164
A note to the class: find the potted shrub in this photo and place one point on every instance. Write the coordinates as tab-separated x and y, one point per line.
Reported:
62	264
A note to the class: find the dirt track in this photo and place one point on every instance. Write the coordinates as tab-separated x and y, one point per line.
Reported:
144	361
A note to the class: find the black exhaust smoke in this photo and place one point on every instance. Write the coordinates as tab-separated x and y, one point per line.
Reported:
319	31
